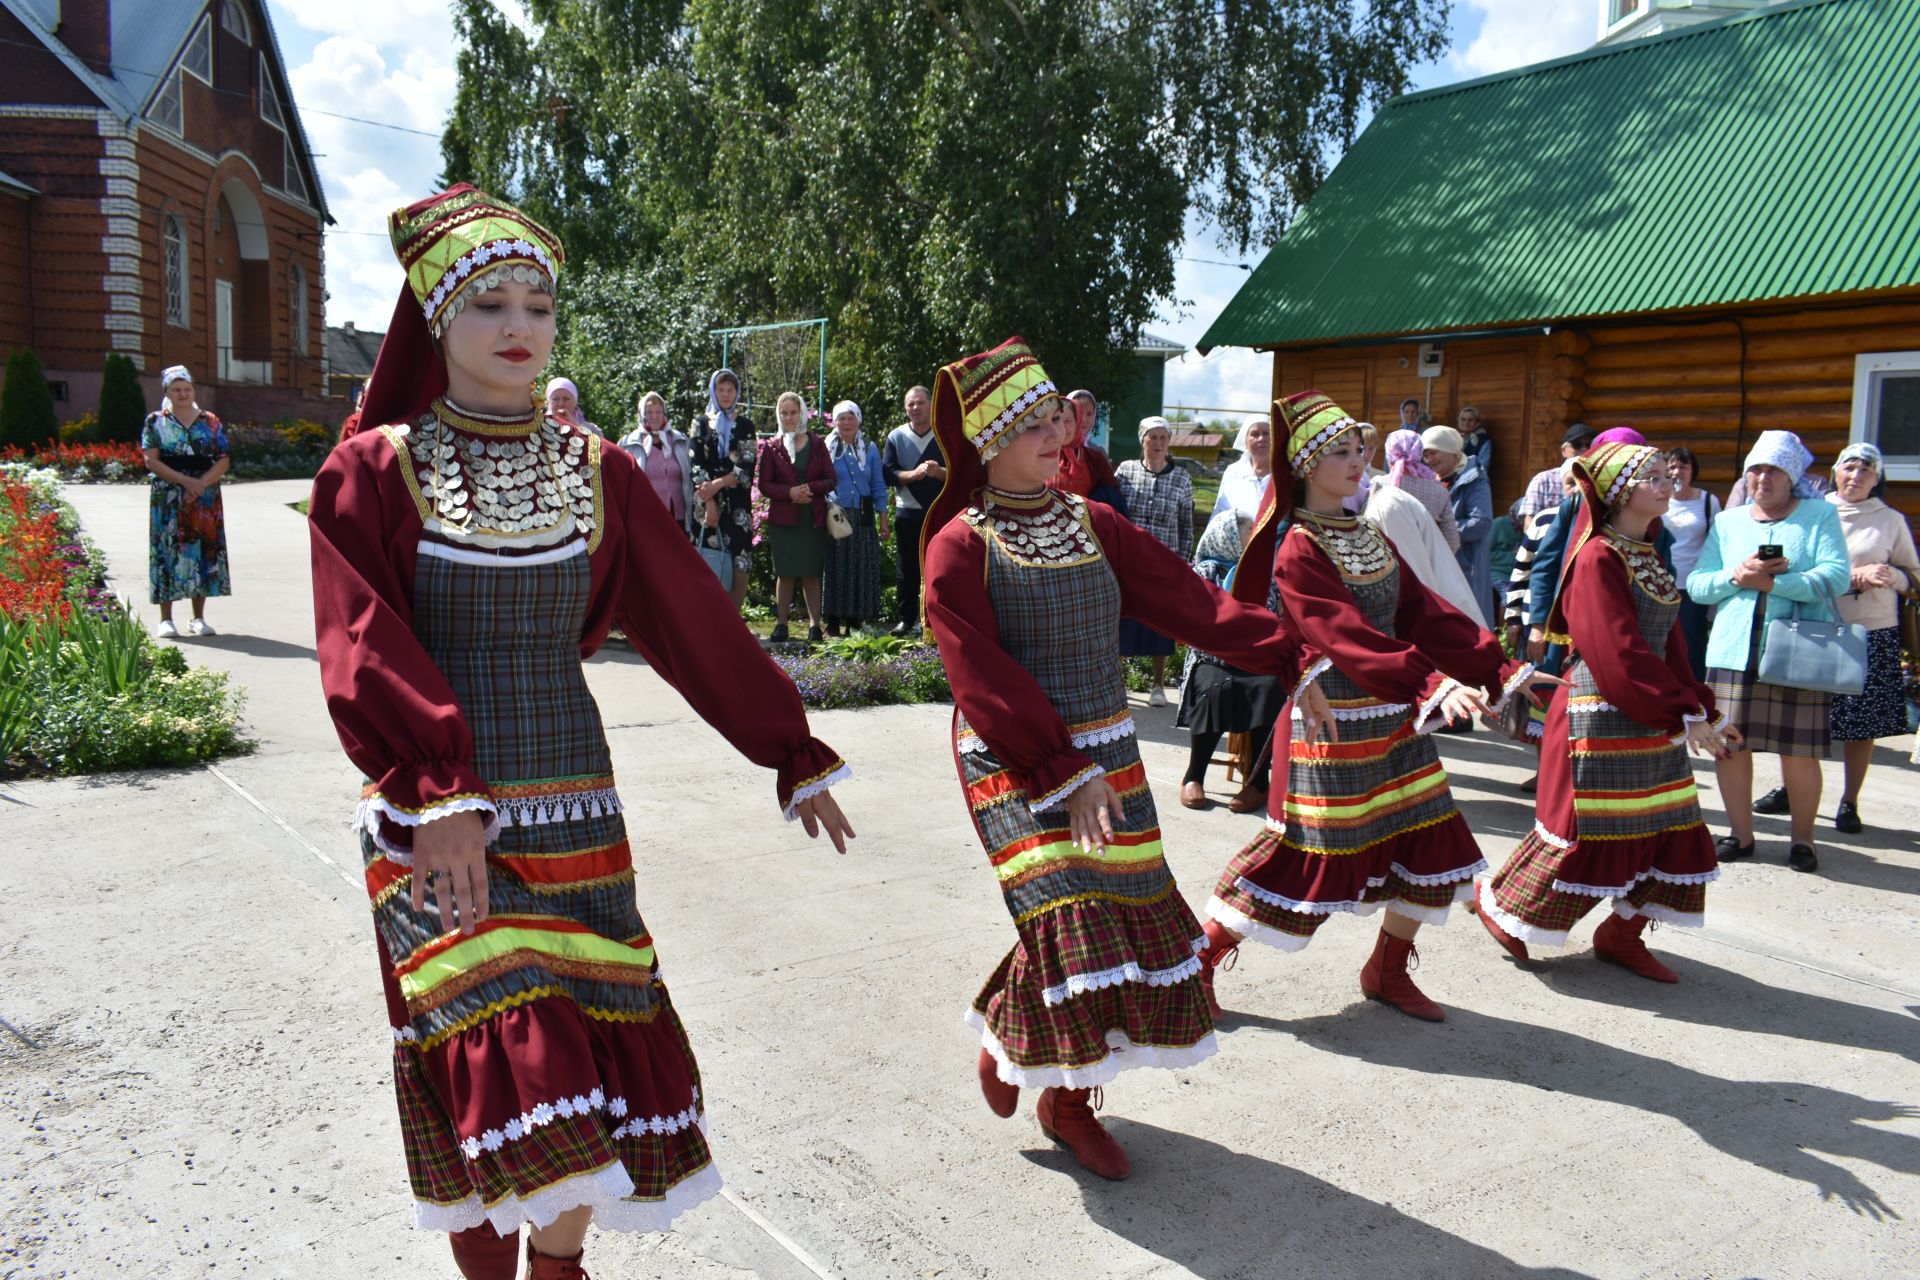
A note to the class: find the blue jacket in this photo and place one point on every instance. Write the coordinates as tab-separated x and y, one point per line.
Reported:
1472	499
1816	552
850	486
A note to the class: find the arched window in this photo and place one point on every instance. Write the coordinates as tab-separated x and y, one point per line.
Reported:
233	20
173	257
298	280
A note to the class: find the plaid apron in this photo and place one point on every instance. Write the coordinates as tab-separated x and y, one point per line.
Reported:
1365	822
539	1063
1618	815
1103	976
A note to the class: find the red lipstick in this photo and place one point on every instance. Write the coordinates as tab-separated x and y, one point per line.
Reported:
519	355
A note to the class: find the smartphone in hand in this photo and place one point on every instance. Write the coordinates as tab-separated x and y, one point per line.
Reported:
1772	551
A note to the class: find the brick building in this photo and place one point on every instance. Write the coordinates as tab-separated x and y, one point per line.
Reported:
158	187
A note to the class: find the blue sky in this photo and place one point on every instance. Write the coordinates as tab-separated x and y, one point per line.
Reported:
391	61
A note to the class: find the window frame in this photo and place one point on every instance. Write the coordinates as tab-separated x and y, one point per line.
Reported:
241	28
270	96
299	310
201	43
1869	368
172	225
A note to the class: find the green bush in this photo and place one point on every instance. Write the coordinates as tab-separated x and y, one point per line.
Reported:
26	403
123	408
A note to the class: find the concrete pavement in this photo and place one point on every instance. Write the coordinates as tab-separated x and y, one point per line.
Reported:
206	1091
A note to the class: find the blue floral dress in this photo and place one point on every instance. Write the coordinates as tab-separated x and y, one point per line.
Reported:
188	539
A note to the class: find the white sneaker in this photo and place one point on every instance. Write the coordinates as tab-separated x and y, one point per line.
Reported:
1158	698
166	630
201	627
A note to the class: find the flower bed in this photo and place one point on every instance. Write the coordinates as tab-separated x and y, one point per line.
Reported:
293	449
83	687
866	671
82	463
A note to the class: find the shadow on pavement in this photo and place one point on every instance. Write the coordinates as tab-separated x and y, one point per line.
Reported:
1220	1212
252	646
1712	996
1770	1124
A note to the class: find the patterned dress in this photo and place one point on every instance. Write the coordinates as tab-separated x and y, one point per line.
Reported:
187	554
1024	595
1367	821
462	566
710	462
1618	816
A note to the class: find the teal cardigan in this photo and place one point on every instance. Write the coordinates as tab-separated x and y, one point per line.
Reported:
1816	551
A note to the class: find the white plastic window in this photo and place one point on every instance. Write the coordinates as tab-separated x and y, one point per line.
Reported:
233	20
173	238
1886	408
197	60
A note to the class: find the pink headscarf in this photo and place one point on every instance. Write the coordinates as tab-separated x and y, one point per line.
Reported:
1617	435
1406	457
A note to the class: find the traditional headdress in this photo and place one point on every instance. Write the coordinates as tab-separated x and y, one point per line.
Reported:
1606	475
1783	449
1313	423
453	245
1616	435
979	405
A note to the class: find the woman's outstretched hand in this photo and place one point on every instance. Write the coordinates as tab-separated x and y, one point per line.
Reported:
1462	703
450	857
1090	811
823	811
1540	687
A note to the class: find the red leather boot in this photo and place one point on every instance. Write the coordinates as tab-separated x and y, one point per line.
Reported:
482	1253
1385	978
1066	1116
1001	1097
1221	950
1618	941
1515	948
542	1266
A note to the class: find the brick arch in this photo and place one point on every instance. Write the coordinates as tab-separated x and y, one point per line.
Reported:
239	266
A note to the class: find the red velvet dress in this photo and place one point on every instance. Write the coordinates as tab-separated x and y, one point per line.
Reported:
463	565
1367	821
1025	594
1618	815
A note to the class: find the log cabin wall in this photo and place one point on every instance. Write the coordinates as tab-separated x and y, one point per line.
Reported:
1677	380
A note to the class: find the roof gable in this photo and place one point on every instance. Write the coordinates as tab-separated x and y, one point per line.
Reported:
1770	156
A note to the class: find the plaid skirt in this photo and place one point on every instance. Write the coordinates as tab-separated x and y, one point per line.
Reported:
1791	722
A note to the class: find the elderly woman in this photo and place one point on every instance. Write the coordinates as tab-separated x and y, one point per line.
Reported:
1881	553
563	405
851	590
1217	697
795	477
1407	470
1471	496
721	446
666	457
1159	497
1806	566
1244	483
186	450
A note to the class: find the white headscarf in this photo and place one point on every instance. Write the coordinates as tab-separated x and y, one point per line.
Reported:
168	376
838	448
1783	449
1246	428
1154	423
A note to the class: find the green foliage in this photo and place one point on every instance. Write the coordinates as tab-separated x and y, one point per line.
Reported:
26	404
931	178
123	409
864	648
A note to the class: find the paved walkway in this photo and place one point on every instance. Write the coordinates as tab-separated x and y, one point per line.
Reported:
208	1089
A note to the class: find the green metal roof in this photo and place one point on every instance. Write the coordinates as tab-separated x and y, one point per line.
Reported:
1770	156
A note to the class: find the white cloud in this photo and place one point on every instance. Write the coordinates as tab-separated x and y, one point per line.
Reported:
1514	33
414	23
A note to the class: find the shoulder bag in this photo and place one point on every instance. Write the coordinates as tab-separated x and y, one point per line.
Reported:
1824	657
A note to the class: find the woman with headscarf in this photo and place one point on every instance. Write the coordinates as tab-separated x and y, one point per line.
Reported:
1397	505
721	445
1159	498
563	405
1367	822
1882	563
186	451
795	477
1244	483
850	589
1748	590
1085	468
467	553
664	455
1026	586
1618	815
1407	470
1217	697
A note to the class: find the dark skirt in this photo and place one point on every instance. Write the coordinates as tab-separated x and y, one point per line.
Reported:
1879	710
1791	722
852	586
1217	699
799	550
1137	641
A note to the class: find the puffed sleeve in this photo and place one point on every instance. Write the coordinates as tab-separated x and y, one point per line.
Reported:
674	611
1160	590
1000	699
1603	619
395	713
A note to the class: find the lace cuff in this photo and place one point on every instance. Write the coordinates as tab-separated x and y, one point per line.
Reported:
1056	797
379	816
812	787
1319	668
1512	685
1423	718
